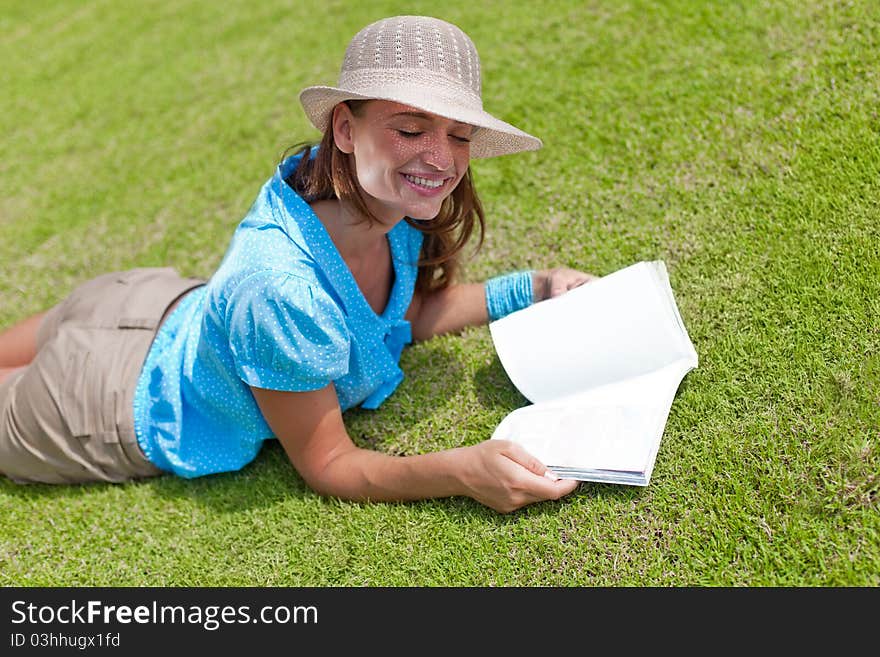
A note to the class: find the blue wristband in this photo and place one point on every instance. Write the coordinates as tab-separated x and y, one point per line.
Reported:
508	293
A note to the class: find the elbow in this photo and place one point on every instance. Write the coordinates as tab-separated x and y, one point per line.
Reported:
322	487
421	328
426	331
328	487
420	333
334	478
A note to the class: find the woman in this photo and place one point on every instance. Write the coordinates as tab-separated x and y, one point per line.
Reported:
348	253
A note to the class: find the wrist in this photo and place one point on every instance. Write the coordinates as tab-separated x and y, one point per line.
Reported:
461	470
540	285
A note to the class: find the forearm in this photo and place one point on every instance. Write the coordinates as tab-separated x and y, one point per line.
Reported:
309	425
365	475
450	310
458	306
497	473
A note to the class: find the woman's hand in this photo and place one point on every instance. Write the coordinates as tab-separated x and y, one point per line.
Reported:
549	283
504	476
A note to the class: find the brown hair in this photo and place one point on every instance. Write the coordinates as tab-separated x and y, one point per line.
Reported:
330	175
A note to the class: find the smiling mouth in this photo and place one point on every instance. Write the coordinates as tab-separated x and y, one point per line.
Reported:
425	183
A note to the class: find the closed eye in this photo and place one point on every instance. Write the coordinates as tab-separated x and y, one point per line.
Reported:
408	133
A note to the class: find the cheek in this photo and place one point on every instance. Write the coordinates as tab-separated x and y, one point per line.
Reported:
400	150
384	154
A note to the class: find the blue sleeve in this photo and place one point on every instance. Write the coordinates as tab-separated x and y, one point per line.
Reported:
286	333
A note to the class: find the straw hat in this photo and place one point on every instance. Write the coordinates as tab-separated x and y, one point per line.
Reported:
425	63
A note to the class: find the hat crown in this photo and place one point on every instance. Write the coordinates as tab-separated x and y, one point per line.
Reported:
419	43
423	62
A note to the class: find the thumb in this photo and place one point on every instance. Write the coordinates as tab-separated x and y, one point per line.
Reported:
518	454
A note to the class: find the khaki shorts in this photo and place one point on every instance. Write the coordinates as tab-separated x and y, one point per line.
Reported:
68	416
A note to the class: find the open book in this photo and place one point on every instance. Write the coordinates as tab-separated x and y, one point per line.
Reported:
601	365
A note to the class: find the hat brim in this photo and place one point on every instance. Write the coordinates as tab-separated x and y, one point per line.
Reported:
492	137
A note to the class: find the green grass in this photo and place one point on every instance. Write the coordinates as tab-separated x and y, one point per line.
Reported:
738	142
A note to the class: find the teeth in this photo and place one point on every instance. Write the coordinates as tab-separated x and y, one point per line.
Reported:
424	182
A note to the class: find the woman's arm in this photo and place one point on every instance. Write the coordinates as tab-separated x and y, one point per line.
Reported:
309	425
448	310
453	308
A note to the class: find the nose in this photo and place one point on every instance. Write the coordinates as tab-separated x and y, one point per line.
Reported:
438	152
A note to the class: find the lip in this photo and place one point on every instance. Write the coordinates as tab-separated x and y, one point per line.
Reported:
423	191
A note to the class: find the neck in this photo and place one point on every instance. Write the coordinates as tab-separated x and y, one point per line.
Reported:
355	237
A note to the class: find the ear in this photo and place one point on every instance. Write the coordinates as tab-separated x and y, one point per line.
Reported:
342	130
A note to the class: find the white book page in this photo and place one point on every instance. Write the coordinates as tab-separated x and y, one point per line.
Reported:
617	426
618	327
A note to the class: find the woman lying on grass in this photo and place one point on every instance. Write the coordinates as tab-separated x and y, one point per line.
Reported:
348	253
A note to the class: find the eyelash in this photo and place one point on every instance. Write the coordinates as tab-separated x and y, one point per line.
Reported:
412	135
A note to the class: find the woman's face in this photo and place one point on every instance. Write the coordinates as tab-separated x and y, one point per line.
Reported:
406	160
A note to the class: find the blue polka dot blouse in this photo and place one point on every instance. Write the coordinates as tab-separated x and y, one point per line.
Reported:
284	312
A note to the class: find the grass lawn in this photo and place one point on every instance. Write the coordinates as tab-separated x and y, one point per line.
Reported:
738	142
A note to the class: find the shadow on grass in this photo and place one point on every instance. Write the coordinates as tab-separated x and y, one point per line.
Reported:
271	479
434	373
466	509
495	390
267	481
